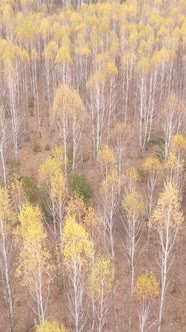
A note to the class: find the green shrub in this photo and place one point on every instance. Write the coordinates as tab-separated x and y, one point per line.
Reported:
142	174
79	185
157	139
160	153
30	189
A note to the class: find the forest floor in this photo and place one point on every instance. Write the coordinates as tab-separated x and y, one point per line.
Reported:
175	313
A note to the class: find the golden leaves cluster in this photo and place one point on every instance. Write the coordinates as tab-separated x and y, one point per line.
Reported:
167	213
147	287
101	277
76	246
50	326
68	101
133	204
106	158
152	164
6	214
34	257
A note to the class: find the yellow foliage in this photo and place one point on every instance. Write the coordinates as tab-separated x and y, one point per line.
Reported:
63	55
76	18
156	59
76	246
147	287
164	54
130	177
178	144
5	209
152	164
31	227
24	56
104	25
114	47
66	42
50	326
174	169
84	50
92	220
167	213
158	2
111	182
172	164
34	55
59	189
143	65
34	259
67	101
76	207
102	58
133	38
128	58
58	31
106	157
48	169
50	50
98	78
7	14
101	277
25	31
111	69
163	31
144	46
45	27
133	204
59	156
16	191
112	178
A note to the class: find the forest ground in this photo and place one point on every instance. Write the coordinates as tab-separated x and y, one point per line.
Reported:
175	312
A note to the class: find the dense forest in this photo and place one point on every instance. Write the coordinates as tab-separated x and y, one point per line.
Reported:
92	158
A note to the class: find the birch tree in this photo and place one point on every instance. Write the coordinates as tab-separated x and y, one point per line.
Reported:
77	251
143	69
34	268
120	136
166	220
96	86
108	204
152	168
171	120
99	289
178	146
7	220
69	114
174	172
54	190
130	179
16	192
10	61
106	160
93	223
34	63
3	144
133	209
146	291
